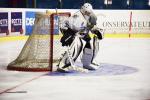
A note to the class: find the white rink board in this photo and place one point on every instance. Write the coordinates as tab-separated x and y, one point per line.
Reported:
113	21
118	21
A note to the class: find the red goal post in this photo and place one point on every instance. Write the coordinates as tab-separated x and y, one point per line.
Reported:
52	21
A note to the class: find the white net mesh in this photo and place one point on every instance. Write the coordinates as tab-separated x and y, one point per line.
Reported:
35	55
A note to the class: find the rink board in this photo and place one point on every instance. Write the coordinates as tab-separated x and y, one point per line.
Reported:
12	38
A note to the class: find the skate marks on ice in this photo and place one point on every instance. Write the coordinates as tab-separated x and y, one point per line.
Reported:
105	69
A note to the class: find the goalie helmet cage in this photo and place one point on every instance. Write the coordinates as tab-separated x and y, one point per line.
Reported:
43	47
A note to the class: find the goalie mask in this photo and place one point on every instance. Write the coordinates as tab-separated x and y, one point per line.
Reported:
86	9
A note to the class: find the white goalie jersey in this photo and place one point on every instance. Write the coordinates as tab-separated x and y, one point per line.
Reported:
81	24
76	22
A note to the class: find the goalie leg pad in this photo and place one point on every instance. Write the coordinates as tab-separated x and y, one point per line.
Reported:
95	48
90	55
76	51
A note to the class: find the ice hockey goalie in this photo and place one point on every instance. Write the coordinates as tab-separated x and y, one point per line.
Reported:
76	32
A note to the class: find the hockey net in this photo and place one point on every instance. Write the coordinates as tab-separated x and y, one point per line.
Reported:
43	49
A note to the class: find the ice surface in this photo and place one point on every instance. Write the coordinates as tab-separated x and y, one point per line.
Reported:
131	53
